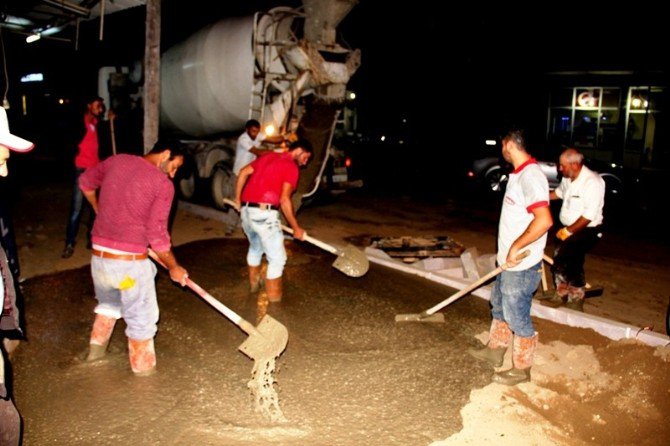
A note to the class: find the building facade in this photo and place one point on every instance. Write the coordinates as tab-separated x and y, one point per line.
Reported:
618	117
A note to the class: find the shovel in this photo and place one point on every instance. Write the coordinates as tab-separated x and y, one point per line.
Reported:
430	314
265	342
350	260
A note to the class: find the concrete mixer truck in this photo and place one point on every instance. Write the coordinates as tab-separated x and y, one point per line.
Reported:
282	67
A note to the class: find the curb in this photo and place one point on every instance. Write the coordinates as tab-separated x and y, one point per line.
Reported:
606	327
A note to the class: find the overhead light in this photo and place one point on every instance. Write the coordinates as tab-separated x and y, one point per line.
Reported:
33	77
33	37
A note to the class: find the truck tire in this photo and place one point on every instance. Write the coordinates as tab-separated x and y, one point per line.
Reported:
187	180
223	185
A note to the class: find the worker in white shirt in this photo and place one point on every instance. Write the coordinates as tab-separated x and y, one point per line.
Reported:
583	193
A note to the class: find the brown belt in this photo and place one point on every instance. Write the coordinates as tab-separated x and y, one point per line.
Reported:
109	255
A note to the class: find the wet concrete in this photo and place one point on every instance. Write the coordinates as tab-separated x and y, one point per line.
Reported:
350	375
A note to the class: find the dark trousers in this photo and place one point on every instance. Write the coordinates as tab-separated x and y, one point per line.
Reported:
76	209
570	254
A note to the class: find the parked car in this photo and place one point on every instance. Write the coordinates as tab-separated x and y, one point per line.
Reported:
493	172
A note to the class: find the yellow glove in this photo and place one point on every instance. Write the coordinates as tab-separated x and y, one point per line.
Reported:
563	233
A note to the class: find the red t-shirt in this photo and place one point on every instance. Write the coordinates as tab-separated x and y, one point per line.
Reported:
271	171
88	147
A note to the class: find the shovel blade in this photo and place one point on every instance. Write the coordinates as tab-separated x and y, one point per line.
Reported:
417	317
269	341
352	261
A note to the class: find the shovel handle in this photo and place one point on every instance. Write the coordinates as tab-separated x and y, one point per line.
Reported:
313	241
221	308
231	203
471	287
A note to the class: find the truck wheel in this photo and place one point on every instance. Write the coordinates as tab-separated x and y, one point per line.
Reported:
223	185
186	181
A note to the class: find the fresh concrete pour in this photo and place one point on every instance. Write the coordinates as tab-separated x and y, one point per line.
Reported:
350	374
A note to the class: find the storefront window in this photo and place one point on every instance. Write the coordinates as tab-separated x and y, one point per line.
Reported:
560	129
612	123
644	114
585	129
611	98
609	135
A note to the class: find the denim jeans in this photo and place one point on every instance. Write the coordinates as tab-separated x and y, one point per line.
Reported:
512	296
263	229
76	207
126	289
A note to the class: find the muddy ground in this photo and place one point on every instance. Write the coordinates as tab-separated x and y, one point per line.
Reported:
350	375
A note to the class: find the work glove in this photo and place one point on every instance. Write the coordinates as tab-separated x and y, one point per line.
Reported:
563	234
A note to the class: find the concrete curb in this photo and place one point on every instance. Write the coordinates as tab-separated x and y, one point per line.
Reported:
606	327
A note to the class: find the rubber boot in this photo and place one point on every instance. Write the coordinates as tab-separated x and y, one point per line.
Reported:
575	298
559	297
103	326
254	278
273	288
499	339
576	305
142	356
523	352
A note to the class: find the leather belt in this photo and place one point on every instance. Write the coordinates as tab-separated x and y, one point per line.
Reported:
264	206
109	255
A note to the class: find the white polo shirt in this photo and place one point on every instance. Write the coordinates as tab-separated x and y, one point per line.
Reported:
583	197
243	156
527	189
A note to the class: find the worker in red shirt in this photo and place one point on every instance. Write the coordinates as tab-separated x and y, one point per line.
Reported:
87	156
263	187
132	210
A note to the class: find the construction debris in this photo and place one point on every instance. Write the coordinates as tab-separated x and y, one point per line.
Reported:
411	249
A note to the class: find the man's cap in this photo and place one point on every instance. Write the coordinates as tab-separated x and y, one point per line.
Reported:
10	141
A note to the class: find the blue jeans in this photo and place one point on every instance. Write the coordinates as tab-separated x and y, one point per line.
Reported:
126	289
76	207
512	296
263	229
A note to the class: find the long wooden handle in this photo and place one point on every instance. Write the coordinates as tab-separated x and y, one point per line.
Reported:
313	241
472	286
221	308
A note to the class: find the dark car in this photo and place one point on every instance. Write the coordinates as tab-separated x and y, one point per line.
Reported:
493	172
